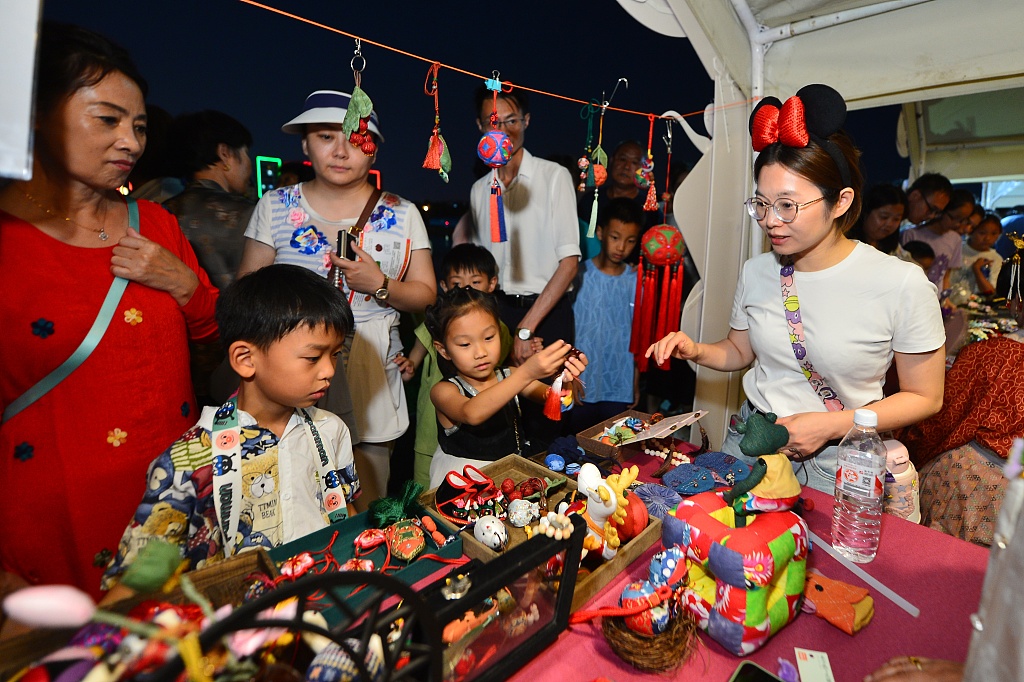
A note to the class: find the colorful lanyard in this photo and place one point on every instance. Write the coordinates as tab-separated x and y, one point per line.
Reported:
227	473
791	303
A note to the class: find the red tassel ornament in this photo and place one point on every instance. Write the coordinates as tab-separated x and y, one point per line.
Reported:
553	401
658	302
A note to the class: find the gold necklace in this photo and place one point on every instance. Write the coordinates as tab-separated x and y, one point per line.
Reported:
102	233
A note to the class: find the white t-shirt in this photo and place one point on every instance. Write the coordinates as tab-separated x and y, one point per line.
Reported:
284	220
855	314
540	221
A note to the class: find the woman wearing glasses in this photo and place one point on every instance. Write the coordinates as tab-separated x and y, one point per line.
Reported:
820	318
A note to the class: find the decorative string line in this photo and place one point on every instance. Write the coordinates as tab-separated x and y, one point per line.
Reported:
400	51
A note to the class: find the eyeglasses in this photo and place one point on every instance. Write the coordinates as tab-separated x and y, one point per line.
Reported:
955	220
933	211
785	209
509	123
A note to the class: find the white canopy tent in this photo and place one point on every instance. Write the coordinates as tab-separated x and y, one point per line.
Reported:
875	53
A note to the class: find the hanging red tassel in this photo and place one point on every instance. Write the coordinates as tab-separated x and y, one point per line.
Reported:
647	312
434	149
652	198
676	312
553	400
662	324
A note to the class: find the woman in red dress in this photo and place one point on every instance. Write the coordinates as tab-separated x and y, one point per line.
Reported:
73	462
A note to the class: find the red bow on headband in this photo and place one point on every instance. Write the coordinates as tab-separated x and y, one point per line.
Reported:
788	126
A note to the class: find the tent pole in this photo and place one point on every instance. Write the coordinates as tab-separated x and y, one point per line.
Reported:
770	35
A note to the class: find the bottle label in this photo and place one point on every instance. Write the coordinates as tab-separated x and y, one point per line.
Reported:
860	480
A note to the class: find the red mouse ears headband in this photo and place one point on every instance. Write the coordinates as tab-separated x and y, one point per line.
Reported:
815	112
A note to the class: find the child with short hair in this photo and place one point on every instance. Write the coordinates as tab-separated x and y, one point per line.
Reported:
465	265
478	404
267	466
605	291
980	270
919	253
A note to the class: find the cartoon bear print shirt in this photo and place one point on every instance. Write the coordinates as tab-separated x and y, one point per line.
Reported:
281	496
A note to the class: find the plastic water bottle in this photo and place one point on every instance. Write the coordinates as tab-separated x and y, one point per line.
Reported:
860	482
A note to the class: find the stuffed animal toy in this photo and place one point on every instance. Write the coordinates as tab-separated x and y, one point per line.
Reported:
771	485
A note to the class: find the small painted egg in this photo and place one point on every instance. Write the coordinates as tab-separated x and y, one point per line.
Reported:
572	468
490	531
555	462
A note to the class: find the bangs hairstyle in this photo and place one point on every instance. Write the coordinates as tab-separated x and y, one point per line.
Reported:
468	258
450	306
814	164
265	305
72	58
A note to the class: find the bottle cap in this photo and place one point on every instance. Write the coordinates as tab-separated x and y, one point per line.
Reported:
865	418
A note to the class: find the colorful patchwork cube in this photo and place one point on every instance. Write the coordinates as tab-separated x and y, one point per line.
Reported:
745	583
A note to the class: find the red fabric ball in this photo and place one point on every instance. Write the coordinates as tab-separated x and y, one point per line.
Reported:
507	486
662	245
636	519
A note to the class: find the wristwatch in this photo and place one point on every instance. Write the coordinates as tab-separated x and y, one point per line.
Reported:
382	293
524	333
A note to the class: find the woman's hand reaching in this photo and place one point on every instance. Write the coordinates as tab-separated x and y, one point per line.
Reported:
675	345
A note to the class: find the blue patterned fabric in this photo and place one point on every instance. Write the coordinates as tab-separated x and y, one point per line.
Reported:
604	318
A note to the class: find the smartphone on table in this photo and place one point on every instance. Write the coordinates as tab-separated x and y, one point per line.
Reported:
748	671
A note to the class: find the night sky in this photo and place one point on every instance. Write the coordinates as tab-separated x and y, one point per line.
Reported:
258	67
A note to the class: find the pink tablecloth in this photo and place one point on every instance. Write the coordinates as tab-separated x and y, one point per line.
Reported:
939	574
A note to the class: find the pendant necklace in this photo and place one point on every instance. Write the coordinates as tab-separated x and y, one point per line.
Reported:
101	233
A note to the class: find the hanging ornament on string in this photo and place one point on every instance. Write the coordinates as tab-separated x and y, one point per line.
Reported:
599	157
438	157
592	173
666	196
1014	298
583	163
598	167
644	178
357	116
495	149
659	290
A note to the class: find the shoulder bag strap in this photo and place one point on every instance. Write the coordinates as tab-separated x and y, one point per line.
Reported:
795	323
365	215
89	343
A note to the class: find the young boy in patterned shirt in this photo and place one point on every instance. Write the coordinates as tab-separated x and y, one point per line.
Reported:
267	467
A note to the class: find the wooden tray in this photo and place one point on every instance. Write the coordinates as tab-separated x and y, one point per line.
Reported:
519	469
588	438
664	428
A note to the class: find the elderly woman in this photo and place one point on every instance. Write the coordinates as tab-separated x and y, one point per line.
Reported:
388	270
83	418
